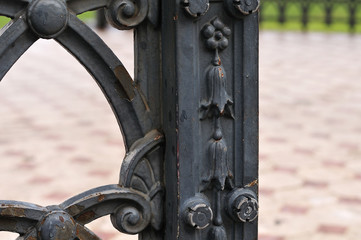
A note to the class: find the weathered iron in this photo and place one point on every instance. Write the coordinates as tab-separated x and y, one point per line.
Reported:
189	118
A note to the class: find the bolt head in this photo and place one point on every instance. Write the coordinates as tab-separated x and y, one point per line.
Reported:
199	216
197	212
246	7
246	209
242	205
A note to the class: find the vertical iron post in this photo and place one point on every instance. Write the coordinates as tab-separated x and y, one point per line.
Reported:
282	11
210	118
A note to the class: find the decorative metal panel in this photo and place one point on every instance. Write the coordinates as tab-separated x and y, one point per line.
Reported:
189	118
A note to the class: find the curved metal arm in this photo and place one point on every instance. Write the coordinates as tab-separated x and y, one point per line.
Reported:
16	33
19	216
130	213
109	73
12	8
137	202
80	6
124	204
83	44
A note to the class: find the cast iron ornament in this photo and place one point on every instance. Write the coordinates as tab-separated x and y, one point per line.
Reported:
217	105
126	14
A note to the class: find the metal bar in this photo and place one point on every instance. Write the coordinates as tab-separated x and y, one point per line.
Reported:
16	33
305	6
282	11
12	8
110	75
352	17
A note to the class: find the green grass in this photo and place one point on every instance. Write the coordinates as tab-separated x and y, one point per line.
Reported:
293	14
3	21
84	17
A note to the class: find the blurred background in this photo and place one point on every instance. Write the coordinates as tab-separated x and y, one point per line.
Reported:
58	136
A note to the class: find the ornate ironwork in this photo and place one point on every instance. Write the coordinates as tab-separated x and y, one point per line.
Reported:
136	201
196	85
133	204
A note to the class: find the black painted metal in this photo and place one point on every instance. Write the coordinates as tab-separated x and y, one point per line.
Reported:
189	118
301	12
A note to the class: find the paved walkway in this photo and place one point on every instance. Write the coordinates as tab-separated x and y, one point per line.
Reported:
59	137
310	137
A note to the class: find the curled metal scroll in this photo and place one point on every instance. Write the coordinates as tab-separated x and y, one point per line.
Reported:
130	211
139	171
132	207
125	14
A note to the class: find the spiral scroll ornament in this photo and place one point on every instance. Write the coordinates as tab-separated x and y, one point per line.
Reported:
126	14
130	219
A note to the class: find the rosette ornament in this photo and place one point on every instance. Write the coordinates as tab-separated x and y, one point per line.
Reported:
216	34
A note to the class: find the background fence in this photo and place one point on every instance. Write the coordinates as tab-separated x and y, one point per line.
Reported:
321	14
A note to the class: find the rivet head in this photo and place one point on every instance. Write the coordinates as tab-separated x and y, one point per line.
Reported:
47	18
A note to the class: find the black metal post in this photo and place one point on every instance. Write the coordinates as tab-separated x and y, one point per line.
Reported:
328	12
281	11
210	118
305	7
352	11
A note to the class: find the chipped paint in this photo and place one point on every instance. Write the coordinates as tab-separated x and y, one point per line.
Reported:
142	96
85	217
75	209
125	80
255	182
13	212
101	198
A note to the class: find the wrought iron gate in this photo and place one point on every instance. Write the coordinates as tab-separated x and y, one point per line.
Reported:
189	119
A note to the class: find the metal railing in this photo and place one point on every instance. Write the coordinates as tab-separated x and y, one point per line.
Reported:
305	12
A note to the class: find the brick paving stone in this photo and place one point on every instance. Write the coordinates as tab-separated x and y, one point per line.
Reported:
310	95
332	229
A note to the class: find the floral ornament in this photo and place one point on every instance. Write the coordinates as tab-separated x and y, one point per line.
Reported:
216	105
216	34
218	102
